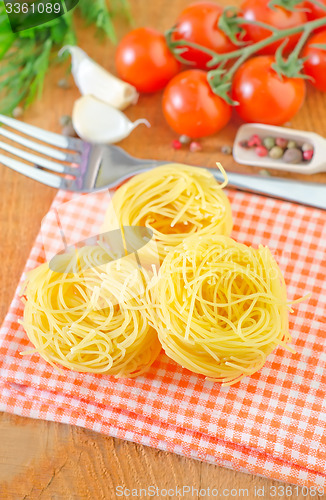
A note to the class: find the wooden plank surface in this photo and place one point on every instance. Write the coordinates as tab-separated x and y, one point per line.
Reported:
46	460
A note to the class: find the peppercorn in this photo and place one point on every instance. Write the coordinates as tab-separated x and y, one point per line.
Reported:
18	112
176	144
276	153
292	144
244	144
184	139
226	150
194	147
65	120
64	84
269	142
254	140
261	151
281	142
307	155
68	130
292	155
306	147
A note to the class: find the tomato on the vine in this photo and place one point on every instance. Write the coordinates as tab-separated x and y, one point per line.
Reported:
144	60
258	10
264	96
190	106
315	60
314	11
198	23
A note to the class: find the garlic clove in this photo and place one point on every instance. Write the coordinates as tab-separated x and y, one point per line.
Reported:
98	122
92	79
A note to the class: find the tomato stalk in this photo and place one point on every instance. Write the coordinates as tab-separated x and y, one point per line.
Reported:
178	47
319	4
220	79
240	20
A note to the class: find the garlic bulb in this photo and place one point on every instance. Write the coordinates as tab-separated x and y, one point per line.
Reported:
98	122
92	79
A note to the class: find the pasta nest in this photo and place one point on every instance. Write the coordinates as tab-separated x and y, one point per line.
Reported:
90	316
219	307
174	201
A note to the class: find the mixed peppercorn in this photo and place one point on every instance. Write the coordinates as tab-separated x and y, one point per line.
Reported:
184	140
279	148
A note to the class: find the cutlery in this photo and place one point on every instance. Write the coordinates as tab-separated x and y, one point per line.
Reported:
75	165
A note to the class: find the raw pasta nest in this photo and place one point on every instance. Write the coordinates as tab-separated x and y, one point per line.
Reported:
92	317
220	307
174	201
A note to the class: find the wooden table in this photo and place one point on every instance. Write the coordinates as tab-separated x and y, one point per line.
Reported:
47	460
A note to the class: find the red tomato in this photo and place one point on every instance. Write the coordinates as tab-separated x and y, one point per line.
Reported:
144	60
263	96
315	64
198	23
190	107
258	10
314	11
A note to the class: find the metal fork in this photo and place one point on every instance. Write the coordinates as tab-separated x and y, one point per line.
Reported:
75	165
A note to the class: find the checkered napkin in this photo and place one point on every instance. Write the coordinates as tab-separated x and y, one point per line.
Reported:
272	423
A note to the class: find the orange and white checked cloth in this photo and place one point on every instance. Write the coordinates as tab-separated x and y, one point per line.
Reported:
273	423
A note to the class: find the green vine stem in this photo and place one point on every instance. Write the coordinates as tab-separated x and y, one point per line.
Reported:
269	27
220	79
319	4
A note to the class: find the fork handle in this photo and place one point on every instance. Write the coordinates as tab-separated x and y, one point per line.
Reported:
306	193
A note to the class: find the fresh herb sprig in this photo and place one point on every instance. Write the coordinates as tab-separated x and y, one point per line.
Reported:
26	56
232	25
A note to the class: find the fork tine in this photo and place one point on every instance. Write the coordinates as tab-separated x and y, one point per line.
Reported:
34	173
39	161
40	148
49	137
